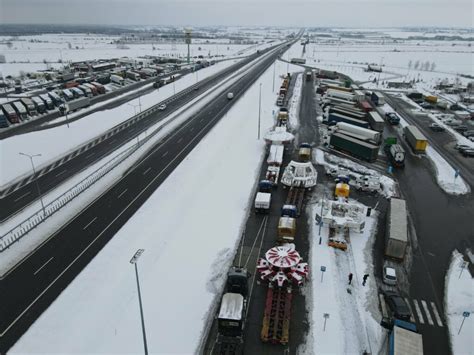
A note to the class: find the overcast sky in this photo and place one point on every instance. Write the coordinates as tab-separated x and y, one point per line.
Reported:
360	13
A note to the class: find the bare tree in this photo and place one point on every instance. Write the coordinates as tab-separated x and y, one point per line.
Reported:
433	66
427	65
417	64
410	63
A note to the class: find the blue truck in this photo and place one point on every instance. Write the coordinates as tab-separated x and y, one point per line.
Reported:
404	338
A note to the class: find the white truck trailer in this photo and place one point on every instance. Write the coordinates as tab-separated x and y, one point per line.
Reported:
397	230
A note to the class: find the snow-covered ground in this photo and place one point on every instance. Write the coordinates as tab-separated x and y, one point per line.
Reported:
183	267
353	323
42	52
459	295
53	143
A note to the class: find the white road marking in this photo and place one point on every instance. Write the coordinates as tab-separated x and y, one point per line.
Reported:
435	311
164	154
179	140
25	194
409	306
418	312
146	171
122	193
383	305
88	224
42	266
62	172
427	311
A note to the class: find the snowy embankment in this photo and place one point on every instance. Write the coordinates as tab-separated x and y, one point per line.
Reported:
352	323
294	104
444	171
459	298
188	242
54	143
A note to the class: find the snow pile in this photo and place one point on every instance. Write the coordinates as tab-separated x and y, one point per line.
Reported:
460	298
330	162
352	326
294	105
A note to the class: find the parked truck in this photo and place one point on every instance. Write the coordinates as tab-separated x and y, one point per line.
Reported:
347	111
30	106
377	98
20	110
415	96
376	121
415	139
47	101
350	130
275	156
100	88
3	120
39	104
336	117
66	77
74	105
263	198
431	99
116	79
404	338
10	113
397	231
337	94
353	146
396	155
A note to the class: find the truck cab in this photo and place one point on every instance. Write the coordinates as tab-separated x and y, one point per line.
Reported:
286	229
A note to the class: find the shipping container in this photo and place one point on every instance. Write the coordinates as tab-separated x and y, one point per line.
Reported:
397	230
355	147
415	139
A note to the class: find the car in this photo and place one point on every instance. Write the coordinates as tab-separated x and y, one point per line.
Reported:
437	127
162	107
196	88
467	152
389	276
461	128
397	305
392	118
426	105
460	146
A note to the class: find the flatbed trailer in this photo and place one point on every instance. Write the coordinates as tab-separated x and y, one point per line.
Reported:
295	197
276	318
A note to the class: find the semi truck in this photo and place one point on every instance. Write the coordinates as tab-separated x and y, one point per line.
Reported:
86	90
275	156
39	104
336	117
348	112
396	155
68	95
55	98
78	103
365	106
404	338
66	77
92	88
100	88
20	110
30	106
377	98
431	99
415	139
415	96
376	121
397	231
116	79
132	75
349	129
355	147
77	92
10	113
3	120
47	101
337	94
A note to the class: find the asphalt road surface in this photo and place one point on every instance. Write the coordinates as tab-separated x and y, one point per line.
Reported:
57	172
32	285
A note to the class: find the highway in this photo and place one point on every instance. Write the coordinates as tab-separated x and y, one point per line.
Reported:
23	192
33	284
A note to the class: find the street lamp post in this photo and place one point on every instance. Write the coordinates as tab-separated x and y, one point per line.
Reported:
273	85
133	261
259	108
36	180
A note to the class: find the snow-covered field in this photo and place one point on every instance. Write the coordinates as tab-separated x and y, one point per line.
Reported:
53	143
459	295
42	52
353	322
183	267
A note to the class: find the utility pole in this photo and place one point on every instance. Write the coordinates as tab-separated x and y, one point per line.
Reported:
133	261
36	180
259	108
273	87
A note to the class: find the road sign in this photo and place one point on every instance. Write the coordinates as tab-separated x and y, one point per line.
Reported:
323	268
390	169
456	173
326	316
466	314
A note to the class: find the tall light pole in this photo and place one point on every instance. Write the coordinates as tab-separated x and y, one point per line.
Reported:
378	79
259	108
133	261
36	180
